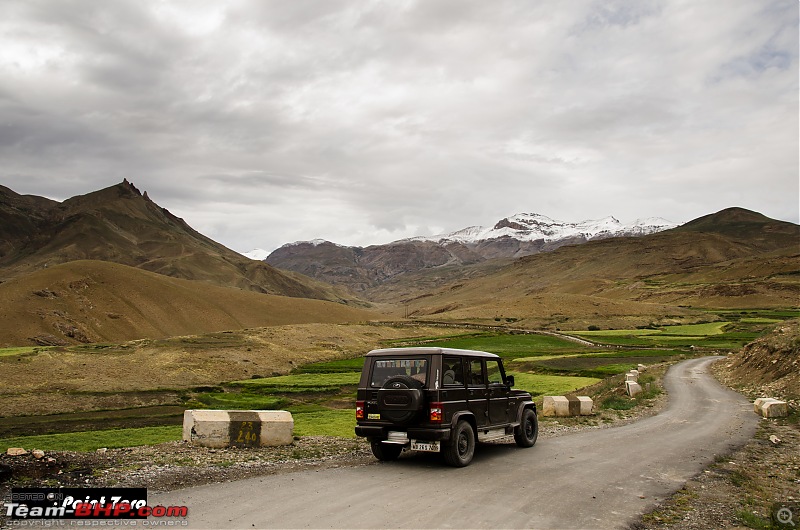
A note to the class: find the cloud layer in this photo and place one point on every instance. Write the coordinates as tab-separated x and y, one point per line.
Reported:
364	122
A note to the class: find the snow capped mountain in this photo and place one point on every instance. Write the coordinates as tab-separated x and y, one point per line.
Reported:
535	227
313	243
258	254
524	234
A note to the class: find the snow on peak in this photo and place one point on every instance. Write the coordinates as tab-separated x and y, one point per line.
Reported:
258	254
533	227
313	242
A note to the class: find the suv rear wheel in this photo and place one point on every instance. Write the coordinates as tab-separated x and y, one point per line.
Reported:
385	452
461	449
528	430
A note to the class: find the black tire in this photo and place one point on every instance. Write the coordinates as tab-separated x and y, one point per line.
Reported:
528	430
406	381
461	449
385	452
400	399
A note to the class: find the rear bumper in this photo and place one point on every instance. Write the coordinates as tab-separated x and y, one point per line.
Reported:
414	433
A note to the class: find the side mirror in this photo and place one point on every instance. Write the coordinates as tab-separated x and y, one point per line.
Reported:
510	381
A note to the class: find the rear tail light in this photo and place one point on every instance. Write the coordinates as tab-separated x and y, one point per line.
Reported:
359	410
436	413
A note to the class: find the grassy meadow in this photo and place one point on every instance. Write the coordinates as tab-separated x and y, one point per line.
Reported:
321	395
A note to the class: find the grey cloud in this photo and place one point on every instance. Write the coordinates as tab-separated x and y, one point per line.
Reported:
262	121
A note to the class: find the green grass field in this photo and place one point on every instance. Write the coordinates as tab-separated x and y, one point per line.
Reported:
23	350
311	382
241	400
550	385
329	422
512	346
343	365
724	335
92	440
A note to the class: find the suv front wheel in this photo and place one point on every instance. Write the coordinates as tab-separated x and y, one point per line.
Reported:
460	450
528	431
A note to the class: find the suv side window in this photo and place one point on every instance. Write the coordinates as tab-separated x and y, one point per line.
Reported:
476	373
452	371
493	372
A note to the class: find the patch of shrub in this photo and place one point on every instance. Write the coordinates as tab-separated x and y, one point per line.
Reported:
618	403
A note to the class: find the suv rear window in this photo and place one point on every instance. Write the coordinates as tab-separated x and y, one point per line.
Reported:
383	369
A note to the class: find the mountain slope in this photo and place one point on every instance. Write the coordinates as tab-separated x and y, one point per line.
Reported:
91	301
364	269
722	261
121	225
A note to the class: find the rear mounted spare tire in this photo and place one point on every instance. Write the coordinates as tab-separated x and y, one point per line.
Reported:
400	399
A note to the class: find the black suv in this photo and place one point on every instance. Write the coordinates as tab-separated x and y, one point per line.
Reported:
440	400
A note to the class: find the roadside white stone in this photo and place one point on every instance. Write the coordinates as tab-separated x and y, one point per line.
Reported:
16	451
771	408
632	388
631	377
555	406
238	428
641	368
775	409
586	405
38	454
759	402
567	406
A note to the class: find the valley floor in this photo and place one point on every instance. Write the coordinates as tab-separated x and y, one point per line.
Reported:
739	489
174	465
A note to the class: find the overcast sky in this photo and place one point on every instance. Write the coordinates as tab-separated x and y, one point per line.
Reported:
363	122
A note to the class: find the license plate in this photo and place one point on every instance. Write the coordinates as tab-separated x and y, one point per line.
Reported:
428	447
373	416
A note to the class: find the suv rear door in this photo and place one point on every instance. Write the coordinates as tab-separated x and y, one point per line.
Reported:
498	393
477	393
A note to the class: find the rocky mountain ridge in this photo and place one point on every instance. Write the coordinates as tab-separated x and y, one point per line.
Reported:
524	234
120	224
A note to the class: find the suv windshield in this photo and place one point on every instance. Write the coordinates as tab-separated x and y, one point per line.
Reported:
383	369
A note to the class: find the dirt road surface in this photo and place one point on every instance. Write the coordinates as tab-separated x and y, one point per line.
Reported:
596	479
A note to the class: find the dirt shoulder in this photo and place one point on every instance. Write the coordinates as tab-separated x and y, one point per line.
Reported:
746	488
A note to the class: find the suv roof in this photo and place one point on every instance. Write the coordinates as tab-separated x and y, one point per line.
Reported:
432	351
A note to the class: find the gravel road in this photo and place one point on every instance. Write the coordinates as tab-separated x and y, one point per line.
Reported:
601	478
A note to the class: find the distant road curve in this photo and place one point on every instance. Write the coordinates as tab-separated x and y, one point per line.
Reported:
505	329
602	478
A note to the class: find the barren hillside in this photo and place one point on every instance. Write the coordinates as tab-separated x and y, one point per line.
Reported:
95	301
733	259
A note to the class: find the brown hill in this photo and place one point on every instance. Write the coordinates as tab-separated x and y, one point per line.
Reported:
121	225
361	269
732	259
92	301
